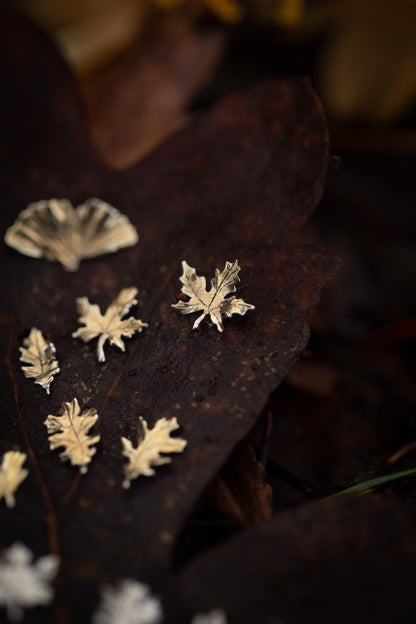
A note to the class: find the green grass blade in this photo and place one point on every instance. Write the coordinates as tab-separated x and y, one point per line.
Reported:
359	488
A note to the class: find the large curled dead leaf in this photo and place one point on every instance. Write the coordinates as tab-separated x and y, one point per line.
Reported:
237	183
324	562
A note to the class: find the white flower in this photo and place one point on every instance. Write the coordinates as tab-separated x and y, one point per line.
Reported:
216	616
130	603
25	584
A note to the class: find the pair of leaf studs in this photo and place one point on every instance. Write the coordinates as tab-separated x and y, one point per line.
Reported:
70	430
40	355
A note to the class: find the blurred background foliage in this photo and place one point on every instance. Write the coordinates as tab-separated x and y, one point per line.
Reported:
91	33
152	60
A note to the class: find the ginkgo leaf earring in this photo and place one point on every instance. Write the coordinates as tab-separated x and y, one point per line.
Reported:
55	230
108	326
213	303
40	355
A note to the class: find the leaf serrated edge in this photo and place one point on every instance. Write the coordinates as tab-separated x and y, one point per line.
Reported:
55	429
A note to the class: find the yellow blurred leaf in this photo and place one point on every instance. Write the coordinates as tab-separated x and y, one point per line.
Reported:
286	13
227	10
89	34
368	67
283	12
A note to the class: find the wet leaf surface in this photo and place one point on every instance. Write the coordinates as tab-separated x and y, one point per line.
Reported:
237	183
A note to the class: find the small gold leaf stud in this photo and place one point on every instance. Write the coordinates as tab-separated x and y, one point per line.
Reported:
40	355
153	442
11	475
213	303
108	326
70	430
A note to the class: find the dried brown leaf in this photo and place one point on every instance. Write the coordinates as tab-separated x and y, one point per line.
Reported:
309	564
41	357
240	492
238	182
70	429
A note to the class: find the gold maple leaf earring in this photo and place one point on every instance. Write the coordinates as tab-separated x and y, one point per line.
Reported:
213	303
109	326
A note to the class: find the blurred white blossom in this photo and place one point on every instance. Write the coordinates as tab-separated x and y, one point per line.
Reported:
216	616
129	603
24	583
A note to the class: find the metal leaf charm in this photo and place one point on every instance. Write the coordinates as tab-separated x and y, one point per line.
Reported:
70	430
11	475
55	230
212	302
148	452
108	326
41	357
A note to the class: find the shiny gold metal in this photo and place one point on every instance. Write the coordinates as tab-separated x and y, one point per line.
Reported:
152	443
40	355
213	303
55	230
108	326
70	430
11	475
